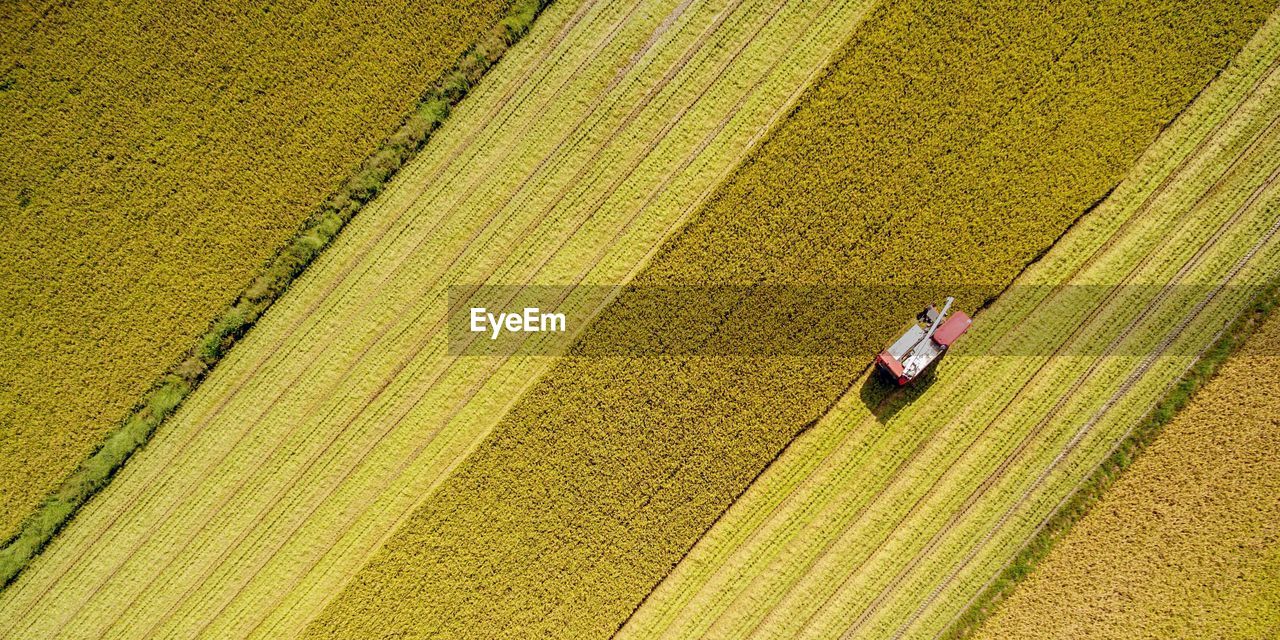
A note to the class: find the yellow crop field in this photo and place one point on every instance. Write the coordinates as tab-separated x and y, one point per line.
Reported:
591	141
893	512
969	133
1184	545
153	158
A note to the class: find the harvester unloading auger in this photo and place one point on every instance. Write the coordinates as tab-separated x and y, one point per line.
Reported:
923	343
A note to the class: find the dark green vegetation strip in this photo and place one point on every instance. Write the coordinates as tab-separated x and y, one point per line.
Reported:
950	143
168	392
1106	475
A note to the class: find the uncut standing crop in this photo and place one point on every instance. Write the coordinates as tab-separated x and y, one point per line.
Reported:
890	514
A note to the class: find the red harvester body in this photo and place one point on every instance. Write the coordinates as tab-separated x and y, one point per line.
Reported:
923	344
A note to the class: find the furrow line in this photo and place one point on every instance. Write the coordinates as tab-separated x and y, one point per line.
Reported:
1097	416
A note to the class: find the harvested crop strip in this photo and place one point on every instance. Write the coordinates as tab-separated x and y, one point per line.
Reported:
932	152
153	156
895	510
342	408
1185	544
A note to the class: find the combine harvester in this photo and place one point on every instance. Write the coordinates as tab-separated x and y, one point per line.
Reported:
923	344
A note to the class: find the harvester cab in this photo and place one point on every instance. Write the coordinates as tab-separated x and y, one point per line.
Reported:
924	343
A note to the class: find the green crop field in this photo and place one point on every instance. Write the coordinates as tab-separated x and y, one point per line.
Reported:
894	511
144	149
593	139
973	132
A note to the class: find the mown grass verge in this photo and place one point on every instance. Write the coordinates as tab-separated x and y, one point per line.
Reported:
1106	475
167	394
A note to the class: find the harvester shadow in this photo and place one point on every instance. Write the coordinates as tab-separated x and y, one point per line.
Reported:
884	399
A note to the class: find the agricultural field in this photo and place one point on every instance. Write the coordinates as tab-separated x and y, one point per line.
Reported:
141	150
735	203
1185	544
592	140
894	511
940	128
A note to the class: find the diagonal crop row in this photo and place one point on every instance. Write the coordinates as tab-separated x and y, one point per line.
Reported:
1070	447
1197	565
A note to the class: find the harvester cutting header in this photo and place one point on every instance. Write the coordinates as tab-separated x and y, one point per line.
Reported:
924	343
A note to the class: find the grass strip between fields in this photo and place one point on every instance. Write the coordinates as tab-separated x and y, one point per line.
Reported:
1094	488
154	159
172	388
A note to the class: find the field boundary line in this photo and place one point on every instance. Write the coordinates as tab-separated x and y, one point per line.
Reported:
1225	173
752	143
679	222
1000	471
778	504
1181	166
448	91
1097	416
349	267
240	383
1077	503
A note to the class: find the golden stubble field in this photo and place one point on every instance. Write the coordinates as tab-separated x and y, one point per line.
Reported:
153	157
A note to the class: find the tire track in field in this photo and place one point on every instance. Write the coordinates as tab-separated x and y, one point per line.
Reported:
752	141
1008	459
1079	381
724	122
603	250
620	231
1007	462
653	92
332	285
1044	522
1110	403
309	367
1176	173
772	513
